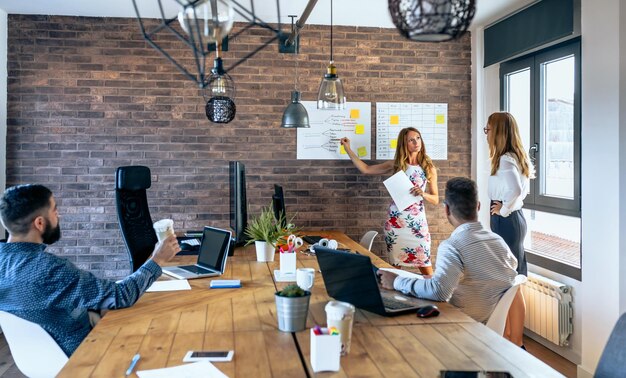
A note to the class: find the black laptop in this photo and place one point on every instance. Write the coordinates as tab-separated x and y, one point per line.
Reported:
350	277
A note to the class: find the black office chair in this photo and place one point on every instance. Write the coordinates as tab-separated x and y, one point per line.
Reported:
613	357
133	214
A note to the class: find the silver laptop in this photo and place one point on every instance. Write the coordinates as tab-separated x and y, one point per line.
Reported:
211	259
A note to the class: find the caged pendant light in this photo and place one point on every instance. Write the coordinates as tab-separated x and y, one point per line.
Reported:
295	115
219	92
331	95
431	20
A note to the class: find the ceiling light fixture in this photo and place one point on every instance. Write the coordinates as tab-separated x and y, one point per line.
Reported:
331	95
295	115
432	20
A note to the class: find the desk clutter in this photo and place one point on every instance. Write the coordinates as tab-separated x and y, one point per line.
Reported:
325	349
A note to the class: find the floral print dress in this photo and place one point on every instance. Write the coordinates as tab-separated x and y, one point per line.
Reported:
406	231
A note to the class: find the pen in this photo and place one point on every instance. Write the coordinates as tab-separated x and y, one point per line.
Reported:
133	362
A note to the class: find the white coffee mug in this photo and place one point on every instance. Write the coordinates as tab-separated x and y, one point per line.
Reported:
305	277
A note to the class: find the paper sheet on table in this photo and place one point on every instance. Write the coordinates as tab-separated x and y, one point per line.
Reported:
399	187
202	369
172	285
403	273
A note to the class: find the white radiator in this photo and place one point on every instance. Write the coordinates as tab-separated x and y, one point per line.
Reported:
548	308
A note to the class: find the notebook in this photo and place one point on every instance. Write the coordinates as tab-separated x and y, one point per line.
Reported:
211	258
350	277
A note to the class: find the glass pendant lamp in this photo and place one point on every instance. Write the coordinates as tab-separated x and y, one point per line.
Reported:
331	95
207	21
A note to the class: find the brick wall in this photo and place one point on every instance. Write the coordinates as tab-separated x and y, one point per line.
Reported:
86	95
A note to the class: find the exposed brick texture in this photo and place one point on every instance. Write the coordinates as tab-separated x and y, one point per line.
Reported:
86	95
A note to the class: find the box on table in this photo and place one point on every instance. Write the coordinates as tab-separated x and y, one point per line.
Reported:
325	352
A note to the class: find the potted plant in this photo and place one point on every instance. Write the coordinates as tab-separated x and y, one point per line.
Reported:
292	307
266	231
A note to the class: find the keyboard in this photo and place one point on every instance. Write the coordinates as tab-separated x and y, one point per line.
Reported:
393	304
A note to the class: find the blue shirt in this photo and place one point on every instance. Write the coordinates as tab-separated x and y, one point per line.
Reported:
50	291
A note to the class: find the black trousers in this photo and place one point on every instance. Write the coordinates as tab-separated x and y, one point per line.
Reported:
513	230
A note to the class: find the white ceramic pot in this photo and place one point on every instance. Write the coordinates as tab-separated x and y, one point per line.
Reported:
264	251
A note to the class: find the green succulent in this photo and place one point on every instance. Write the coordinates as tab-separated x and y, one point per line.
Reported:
292	290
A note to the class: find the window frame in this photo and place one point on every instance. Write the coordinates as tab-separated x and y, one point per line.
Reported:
534	200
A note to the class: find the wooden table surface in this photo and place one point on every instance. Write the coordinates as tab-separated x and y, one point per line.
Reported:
163	326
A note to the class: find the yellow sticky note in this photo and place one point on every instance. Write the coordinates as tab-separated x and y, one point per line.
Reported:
393	143
394	120
342	150
355	113
362	151
440	118
359	129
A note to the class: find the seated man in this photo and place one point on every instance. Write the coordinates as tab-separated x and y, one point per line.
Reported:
48	290
474	266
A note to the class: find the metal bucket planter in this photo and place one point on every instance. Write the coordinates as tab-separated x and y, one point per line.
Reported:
292	312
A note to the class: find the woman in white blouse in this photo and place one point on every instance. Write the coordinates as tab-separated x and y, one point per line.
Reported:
511	171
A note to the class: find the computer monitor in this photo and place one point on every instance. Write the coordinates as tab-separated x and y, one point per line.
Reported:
238	202
278	202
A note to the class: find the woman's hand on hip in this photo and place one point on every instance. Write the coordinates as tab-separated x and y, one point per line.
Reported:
495	208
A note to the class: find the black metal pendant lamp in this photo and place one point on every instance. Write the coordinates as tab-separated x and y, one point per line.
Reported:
432	20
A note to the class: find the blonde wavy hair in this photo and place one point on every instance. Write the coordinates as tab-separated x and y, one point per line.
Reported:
401	160
504	138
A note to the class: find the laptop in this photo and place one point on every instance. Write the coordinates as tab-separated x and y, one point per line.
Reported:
211	258
350	277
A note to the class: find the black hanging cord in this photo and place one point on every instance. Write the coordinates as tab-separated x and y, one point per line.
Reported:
331	30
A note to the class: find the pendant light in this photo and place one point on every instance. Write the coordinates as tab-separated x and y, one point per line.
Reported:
431	20
220	91
207	21
295	115
331	95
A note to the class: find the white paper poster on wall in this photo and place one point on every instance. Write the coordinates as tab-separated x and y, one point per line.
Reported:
431	119
321	140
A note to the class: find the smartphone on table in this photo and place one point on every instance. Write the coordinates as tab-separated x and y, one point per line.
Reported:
209	355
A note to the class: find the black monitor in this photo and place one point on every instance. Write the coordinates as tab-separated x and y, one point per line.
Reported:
238	202
278	202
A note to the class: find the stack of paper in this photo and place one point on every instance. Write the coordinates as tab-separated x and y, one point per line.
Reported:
172	285
202	369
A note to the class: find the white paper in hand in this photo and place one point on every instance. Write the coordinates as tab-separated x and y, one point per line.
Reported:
399	187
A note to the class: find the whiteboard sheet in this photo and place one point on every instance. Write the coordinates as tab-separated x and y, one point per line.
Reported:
399	187
431	119
321	140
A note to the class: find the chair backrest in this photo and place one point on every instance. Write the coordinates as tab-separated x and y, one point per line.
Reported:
497	320
133	214
613	357
368	239
34	351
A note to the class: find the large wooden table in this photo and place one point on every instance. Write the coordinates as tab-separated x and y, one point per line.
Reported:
163	326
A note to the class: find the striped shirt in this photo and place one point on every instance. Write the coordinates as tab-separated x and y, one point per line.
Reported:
474	269
50	291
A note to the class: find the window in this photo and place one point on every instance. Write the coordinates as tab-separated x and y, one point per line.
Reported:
542	91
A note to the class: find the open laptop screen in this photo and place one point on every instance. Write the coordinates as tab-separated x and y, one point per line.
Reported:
214	247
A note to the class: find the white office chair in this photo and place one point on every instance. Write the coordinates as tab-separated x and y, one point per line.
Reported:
34	351
368	239
497	320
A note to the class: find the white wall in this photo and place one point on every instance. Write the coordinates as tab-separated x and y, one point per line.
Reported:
603	71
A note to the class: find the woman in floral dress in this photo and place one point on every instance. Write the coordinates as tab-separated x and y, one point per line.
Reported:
406	230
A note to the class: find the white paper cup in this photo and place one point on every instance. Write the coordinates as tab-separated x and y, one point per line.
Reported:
164	229
341	316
